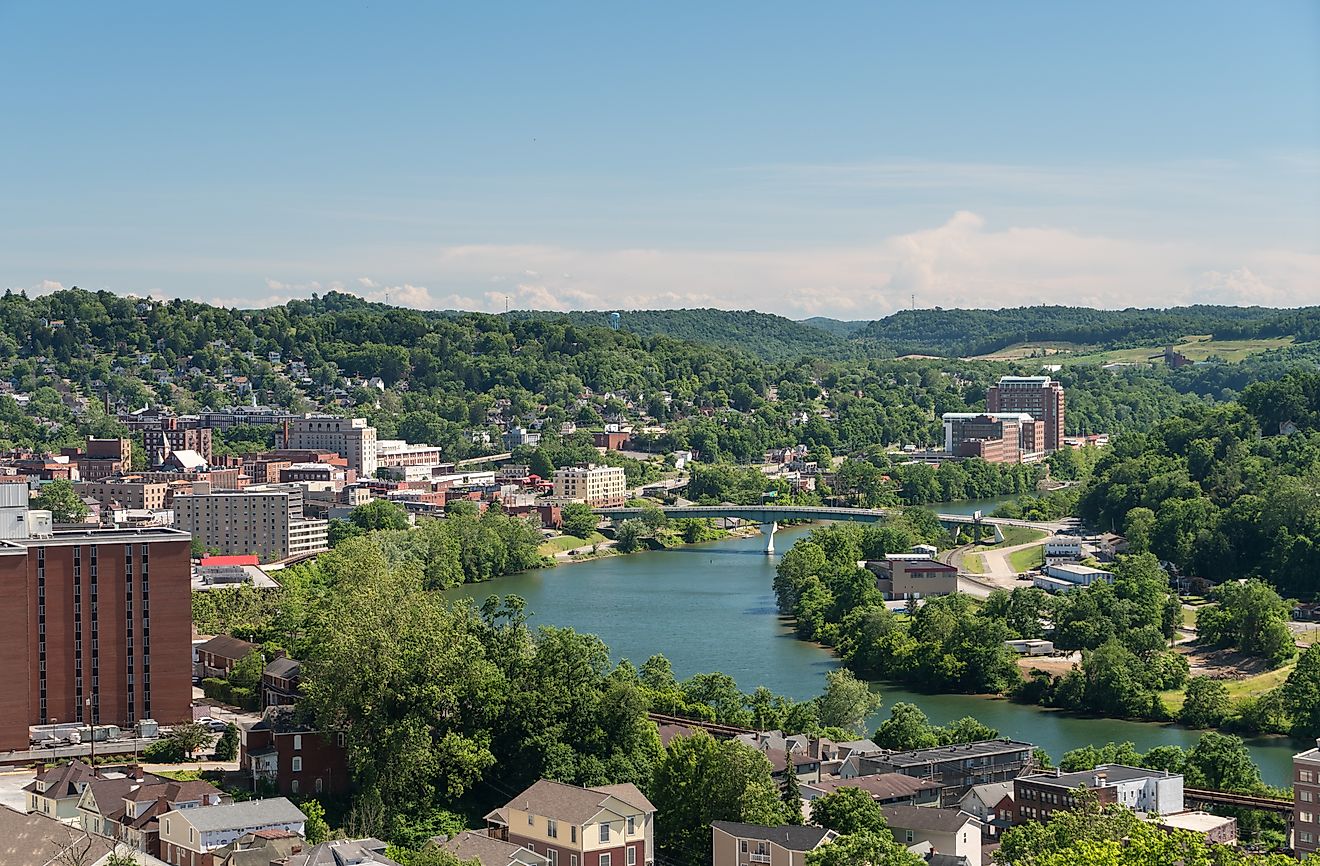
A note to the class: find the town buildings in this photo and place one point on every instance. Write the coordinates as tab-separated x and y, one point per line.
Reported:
267	520
1067	576
1037	797
191	837
1038	396
736	844
169	435
949	832
597	486
913	575
102	458
351	437
956	768
218	656
295	759
996	437
608	825
126	806
471	845
95	625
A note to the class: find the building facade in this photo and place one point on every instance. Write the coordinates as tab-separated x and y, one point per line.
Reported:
169	435
735	844
1038	396
95	628
296	759
608	825
1306	801
956	768
905	576
191	837
1038	797
597	486
130	492
265	520
353	438
998	437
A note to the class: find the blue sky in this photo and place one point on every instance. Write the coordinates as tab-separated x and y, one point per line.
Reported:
805	159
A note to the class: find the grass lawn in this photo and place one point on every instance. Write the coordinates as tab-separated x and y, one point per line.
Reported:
1027	558
1189	617
1237	689
1196	347
1015	535
973	563
567	542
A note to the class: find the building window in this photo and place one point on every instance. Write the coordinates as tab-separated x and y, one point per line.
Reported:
605	832
297	764
552	828
632	825
297	742
1305	795
554	856
293	786
1304	776
604	860
742	846
1305	817
632	857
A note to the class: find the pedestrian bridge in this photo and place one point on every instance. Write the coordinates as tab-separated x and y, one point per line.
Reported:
769	516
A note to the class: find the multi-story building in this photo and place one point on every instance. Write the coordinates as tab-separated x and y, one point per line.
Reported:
394	453
1000	437
472	845
191	837
351	437
266	520
1038	797
95	625
1038	396
318	473
296	759
956	768
126	806
1306	801
947	831
735	844
608	825
910	575
102	458
597	486
129	492
170	435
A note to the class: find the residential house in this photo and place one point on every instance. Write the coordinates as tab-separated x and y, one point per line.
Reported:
218	655
36	839
295	758
887	789
280	681
192	837
735	844
128	807
1215	829
260	848
472	845
992	803
343	852
608	825
56	790
935	831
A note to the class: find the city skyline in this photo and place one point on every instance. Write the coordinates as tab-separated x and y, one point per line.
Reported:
594	157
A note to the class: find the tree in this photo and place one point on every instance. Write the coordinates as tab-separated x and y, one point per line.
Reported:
226	748
247	671
965	730
1301	694
62	501
379	514
848	810
317	830
628	536
1221	762
1206	703
906	728
847	702
579	521
863	849
189	737
792	797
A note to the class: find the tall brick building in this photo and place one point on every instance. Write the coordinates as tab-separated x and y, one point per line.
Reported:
1038	396
95	625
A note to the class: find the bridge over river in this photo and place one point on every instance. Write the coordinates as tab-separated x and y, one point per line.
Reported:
769	517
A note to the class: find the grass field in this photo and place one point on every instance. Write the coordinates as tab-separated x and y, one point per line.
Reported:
567	542
1197	347
1015	535
1027	558
1237	689
1189	617
974	563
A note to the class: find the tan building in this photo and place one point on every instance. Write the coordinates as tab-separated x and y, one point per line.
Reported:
913	575
1306	801
597	486
397	452
608	825
265	520
130	492
734	844
351	437
937	831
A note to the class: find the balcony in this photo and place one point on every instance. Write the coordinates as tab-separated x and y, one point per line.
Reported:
759	858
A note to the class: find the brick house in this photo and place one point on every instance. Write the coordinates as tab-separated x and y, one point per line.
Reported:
219	655
292	756
280	682
608	825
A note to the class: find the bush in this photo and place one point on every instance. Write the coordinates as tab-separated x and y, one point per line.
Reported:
166	751
217	689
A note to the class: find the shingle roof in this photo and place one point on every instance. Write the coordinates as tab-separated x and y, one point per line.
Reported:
227	647
952	753
574	805
490	851
628	793
250	813
884	786
282	667
36	840
794	838
63	781
343	852
926	818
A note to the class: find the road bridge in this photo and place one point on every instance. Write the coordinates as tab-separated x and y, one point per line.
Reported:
770	516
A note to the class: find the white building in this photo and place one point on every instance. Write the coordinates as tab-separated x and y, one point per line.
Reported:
351	438
397	452
188	835
597	486
267	520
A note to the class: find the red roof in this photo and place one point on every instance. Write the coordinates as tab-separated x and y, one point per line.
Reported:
245	559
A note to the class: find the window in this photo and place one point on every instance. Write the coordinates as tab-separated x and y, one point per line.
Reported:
319	784
531	819
604	860
1305	817
293	786
572	860
297	742
632	825
1304	776
632	857
554	857
297	763
605	832
552	828
742	845
1305	795
572	833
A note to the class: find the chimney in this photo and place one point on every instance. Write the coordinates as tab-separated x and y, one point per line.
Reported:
134	772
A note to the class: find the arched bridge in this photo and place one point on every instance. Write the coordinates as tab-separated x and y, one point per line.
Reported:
769	516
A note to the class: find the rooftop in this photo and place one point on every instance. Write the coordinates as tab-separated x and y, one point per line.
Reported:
575	805
926	818
804	838
250	813
1105	774
981	748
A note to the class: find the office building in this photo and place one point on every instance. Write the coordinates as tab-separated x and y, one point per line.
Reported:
597	486
1002	437
1038	396
267	520
1038	797
352	438
78	640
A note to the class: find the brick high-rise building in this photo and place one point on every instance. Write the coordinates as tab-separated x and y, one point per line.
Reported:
95	625
1306	801
1038	396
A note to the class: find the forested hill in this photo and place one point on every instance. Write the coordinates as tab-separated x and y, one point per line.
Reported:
768	336
966	333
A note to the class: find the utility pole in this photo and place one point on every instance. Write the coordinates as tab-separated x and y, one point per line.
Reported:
91	730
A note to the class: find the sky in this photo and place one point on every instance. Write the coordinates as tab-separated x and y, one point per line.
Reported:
841	159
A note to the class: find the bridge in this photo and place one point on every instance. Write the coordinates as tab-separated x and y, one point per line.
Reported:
769	516
1204	797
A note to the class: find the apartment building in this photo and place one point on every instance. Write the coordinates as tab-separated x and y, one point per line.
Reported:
597	486
170	435
191	837
1038	396
266	520
351	437
1306	801
78	640
102	458
999	437
956	768
1038	797
608	825
127	492
395	453
737	844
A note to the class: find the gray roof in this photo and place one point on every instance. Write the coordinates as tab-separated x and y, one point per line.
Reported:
978	749
881	786
344	852
282	667
926	818
228	647
991	793
1087	778
491	851
37	840
250	813
804	838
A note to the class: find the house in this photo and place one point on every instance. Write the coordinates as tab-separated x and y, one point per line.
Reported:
191	837
935	831
295	758
279	682
343	852
36	839
1038	797
992	804
887	789
735	844
219	655
55	791
260	848
128	808
608	825
471	845
1215	829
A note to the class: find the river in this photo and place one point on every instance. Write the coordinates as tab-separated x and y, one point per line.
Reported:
711	607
